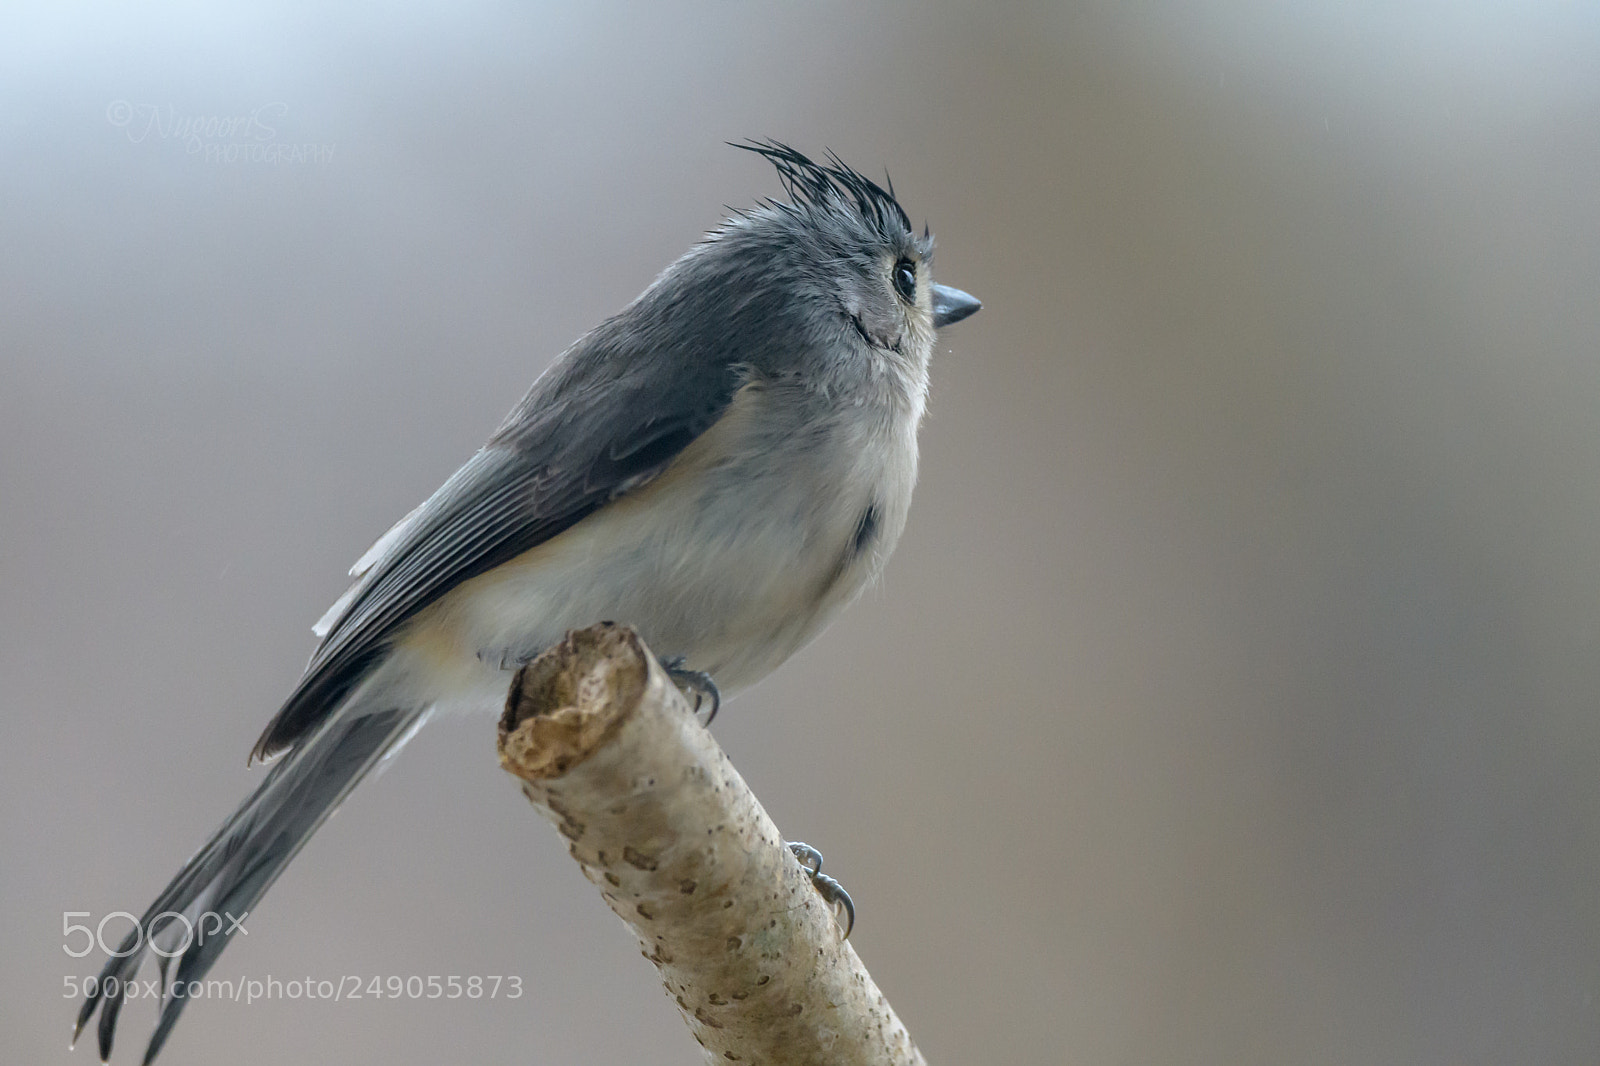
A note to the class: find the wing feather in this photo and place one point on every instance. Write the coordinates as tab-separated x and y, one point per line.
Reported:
598	425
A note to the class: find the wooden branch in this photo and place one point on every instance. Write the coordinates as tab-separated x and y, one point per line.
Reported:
609	751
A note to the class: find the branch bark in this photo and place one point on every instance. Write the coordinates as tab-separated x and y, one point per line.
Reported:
608	750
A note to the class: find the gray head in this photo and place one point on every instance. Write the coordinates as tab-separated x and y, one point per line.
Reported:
857	233
836	264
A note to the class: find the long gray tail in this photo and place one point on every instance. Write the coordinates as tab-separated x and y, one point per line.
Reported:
239	863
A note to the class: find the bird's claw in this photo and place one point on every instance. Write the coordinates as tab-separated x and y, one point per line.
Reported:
506	660
696	683
829	888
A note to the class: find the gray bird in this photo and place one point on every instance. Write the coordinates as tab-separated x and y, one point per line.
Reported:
724	465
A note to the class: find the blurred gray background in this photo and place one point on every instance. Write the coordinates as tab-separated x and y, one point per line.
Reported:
1232	696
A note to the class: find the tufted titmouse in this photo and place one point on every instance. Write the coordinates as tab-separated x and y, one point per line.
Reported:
724	465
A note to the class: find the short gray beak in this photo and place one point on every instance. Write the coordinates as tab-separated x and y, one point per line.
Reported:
952	305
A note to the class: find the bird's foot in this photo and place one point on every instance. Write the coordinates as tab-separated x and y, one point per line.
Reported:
831	891
696	683
507	659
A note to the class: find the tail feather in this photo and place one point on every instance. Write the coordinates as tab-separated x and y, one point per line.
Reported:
237	865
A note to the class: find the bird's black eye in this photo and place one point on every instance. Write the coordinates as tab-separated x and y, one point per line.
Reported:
905	280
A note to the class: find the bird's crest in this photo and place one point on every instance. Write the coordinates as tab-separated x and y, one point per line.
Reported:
828	185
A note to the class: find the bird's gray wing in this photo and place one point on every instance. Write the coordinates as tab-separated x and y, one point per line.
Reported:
597	425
